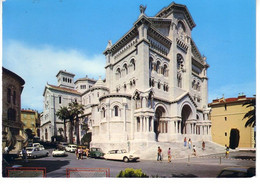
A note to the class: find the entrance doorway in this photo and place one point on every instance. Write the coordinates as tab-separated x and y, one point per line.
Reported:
158	124
185	115
234	138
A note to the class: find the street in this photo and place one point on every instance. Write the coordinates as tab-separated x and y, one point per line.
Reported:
202	167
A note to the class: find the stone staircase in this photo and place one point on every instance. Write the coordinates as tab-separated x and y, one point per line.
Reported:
178	150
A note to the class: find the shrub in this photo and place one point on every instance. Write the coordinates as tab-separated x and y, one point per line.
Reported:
132	173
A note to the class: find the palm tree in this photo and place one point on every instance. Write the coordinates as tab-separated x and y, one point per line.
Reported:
75	110
250	114
64	114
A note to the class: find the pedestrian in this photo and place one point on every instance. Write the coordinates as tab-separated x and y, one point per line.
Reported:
203	145
159	154
24	153
185	141
169	155
189	143
6	150
81	153
194	151
227	151
77	154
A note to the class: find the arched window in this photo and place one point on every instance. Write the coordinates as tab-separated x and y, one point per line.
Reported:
116	110
159	85
118	72
198	86
181	27
150	63
193	84
180	62
164	70
133	63
126	69
158	66
103	112
9	95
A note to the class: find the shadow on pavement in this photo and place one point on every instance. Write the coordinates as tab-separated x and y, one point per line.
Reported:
244	157
184	176
48	164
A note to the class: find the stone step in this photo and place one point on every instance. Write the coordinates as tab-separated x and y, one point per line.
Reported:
179	151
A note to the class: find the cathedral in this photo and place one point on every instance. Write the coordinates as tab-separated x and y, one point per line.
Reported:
156	85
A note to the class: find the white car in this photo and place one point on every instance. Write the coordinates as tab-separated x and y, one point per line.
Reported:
121	155
34	152
71	148
59	152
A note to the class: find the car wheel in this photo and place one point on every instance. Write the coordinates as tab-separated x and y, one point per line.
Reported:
47	154
34	156
125	159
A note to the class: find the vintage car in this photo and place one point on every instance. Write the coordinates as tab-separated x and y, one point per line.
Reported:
96	153
121	155
237	172
34	152
62	145
71	148
59	153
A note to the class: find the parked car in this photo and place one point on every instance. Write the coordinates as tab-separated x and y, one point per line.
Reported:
96	153
33	145
34	152
62	145
59	153
71	148
121	155
236	172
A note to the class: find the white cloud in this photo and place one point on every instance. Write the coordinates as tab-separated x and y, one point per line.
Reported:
38	65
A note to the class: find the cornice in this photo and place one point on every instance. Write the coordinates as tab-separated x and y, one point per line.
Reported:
177	7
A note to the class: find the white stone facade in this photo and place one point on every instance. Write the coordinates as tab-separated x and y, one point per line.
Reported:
155	88
156	85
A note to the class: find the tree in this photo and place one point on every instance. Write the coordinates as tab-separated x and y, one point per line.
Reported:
75	110
64	114
250	114
29	133
86	139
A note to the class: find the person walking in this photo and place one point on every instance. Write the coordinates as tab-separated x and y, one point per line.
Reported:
77	153
227	151
189	143
203	145
159	154
185	141
194	151
169	155
24	153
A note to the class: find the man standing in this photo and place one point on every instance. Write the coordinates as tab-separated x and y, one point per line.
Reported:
24	153
159	154
169	155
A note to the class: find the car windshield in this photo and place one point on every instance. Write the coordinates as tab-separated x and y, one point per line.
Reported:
29	149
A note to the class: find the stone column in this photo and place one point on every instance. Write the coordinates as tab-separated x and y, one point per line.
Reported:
141	124
179	126
152	124
124	108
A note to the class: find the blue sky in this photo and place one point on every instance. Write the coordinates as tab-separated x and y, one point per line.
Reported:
41	37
